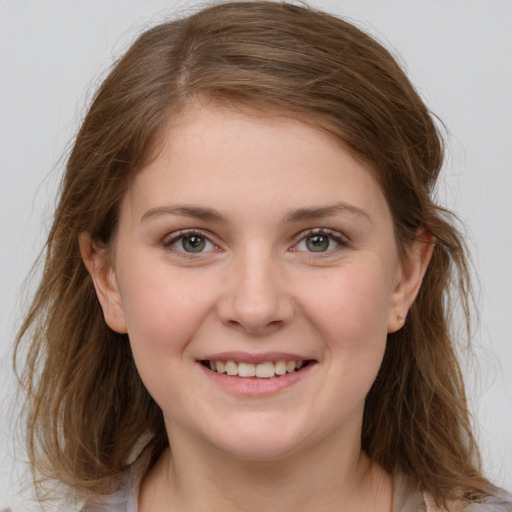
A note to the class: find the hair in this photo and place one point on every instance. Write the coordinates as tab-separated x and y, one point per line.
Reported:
276	59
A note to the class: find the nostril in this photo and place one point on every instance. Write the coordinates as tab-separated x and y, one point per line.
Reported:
255	327
255	308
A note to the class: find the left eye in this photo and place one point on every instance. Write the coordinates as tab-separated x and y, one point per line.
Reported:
193	243
318	242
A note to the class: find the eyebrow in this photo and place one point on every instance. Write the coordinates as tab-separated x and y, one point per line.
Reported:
194	212
303	214
299	215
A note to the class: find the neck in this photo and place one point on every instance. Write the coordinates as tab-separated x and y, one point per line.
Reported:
326	476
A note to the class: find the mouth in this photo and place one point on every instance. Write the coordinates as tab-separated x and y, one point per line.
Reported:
263	370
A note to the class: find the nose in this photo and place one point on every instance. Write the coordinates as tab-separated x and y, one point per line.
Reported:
255	298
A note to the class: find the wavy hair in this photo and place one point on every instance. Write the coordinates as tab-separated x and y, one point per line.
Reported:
278	59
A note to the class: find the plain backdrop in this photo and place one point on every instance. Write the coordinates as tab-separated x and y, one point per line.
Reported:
457	52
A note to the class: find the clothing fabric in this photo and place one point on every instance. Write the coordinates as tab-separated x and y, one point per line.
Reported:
406	498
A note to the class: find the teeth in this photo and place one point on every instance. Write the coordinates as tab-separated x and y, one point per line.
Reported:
247	370
265	370
231	368
280	367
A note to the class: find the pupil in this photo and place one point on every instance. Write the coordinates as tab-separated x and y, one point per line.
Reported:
193	243
317	243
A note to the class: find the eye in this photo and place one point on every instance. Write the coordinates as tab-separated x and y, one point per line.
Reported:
317	243
191	243
320	241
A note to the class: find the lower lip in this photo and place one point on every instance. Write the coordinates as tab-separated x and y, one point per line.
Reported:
254	386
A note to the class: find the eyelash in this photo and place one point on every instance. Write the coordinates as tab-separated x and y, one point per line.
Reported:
341	241
173	238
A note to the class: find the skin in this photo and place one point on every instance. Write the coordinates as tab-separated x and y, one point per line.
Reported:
256	191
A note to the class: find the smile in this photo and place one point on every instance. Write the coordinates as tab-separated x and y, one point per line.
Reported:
263	370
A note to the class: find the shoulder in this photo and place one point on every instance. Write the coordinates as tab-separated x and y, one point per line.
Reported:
407	497
123	500
126	497
499	502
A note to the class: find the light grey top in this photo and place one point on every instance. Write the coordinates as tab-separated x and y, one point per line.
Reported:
406	498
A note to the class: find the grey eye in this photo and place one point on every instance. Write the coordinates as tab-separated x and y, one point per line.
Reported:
320	241
317	243
193	243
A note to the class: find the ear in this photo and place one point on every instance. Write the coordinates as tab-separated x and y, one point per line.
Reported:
96	260
410	275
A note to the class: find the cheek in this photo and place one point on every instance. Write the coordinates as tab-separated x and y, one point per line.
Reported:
353	321
164	309
349	310
351	304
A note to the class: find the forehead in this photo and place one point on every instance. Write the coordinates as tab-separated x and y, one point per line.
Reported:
239	158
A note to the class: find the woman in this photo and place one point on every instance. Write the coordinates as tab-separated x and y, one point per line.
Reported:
245	298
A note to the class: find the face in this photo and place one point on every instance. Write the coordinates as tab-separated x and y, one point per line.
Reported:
257	276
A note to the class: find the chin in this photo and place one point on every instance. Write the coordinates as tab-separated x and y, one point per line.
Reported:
261	441
260	450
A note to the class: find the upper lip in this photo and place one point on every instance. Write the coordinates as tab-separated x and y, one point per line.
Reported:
246	357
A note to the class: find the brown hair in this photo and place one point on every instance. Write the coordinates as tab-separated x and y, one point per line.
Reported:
279	59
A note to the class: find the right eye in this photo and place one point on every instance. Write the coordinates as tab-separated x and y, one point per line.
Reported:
317	242
321	241
191	243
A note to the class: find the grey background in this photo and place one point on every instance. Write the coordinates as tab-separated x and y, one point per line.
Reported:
457	52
